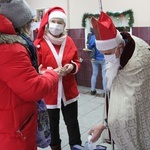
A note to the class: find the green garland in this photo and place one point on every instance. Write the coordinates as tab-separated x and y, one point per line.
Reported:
117	14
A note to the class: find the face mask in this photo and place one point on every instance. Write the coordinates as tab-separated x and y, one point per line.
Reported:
56	29
111	58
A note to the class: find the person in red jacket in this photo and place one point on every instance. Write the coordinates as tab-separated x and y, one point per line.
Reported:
56	49
20	84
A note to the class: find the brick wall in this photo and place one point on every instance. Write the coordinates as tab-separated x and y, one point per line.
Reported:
84	75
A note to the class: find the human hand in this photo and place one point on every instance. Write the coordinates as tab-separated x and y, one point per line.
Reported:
68	68
96	132
63	71
57	70
60	71
40	69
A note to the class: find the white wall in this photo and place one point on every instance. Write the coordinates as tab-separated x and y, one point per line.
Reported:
140	9
76	8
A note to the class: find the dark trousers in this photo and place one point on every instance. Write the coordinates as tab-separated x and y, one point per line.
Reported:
70	116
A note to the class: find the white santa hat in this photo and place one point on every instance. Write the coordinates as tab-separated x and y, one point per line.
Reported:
54	12
58	14
107	37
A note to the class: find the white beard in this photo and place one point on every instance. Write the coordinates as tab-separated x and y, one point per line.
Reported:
111	72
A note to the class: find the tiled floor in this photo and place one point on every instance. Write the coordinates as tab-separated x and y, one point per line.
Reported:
91	112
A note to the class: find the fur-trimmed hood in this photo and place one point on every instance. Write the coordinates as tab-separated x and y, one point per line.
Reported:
128	49
10	39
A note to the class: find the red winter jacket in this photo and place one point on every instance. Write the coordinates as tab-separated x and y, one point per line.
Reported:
20	88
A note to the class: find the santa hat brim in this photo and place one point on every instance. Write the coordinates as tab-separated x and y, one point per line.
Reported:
58	14
104	45
43	23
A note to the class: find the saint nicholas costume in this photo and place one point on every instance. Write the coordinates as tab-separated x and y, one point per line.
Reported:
128	114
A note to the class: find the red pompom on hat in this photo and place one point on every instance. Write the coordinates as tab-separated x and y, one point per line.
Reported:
107	37
54	12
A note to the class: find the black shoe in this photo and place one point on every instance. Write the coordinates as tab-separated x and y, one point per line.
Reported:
93	92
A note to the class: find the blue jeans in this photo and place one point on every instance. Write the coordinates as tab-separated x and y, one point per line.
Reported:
96	64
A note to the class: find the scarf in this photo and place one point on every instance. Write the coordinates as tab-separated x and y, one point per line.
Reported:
31	50
54	40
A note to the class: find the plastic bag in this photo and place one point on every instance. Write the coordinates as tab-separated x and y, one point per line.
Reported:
89	146
98	147
43	136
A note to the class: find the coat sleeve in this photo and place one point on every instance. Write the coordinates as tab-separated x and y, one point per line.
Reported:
21	77
75	59
91	43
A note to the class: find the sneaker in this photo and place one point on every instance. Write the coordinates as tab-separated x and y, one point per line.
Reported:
93	92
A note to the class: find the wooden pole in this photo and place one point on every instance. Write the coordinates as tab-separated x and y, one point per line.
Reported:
100	5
